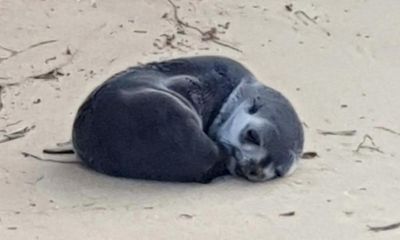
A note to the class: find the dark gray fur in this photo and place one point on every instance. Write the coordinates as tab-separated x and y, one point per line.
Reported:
153	121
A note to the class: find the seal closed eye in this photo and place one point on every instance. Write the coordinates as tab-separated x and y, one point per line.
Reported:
187	120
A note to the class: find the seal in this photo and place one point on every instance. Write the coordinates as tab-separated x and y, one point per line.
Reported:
187	120
261	132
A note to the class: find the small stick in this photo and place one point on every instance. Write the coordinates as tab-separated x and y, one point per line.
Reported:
26	154
362	146
50	59
309	155
384	228
338	133
15	135
288	214
14	53
50	75
388	130
40	44
140	31
205	36
55	72
1	92
300	13
14	123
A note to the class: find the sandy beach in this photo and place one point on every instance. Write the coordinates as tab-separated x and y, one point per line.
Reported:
337	61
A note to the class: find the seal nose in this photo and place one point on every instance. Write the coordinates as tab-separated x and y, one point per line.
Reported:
279	172
252	169
253	172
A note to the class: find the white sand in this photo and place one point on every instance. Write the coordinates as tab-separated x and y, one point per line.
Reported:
334	196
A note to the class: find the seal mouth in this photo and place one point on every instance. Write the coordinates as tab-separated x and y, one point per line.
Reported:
235	158
254	173
249	170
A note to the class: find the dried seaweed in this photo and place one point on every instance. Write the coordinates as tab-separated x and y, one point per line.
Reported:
209	35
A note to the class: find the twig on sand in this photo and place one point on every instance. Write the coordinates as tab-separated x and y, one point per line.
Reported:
309	155
14	123
37	180
26	154
4	85
347	133
384	228
14	53
388	130
40	44
50	59
1	92
303	16
168	42
288	214
54	73
209	35
50	75
15	135
362	145
140	31
185	215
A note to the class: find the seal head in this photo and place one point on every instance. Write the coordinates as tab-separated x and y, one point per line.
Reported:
261	131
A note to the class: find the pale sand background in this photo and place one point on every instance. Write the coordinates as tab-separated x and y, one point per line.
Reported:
334	196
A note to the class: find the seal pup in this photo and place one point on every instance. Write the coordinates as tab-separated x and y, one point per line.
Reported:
187	120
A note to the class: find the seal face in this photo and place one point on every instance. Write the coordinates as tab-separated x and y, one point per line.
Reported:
261	132
187	120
